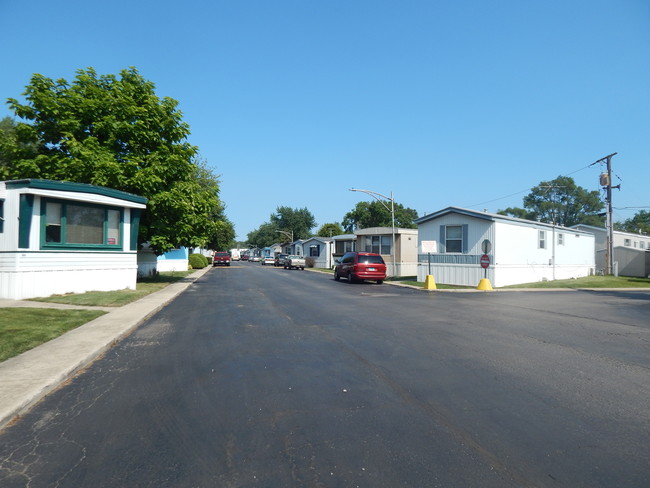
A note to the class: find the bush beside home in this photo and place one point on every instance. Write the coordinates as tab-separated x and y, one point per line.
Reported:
197	261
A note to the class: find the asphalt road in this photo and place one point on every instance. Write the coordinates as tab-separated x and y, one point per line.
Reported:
265	377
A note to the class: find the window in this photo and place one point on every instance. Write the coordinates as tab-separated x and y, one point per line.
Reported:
642	244
314	250
2	215
542	239
344	246
627	242
454	238
560	239
378	244
79	225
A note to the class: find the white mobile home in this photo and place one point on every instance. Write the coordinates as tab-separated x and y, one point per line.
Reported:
452	241
320	250
59	237
631	256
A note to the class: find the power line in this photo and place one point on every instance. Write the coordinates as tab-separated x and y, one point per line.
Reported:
525	190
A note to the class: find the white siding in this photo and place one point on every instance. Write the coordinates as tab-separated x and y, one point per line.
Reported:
41	274
515	256
456	273
31	272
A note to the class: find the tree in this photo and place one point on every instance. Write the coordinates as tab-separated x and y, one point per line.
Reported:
11	148
375	214
329	230
562	202
300	221
639	224
115	132
265	235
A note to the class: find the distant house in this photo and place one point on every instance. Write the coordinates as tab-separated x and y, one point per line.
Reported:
174	260
380	240
59	237
275	249
452	240
294	248
320	250
343	243
631	256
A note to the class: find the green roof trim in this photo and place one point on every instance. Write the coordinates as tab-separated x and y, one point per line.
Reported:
77	187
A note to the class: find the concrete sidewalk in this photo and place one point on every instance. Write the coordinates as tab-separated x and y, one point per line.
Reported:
27	378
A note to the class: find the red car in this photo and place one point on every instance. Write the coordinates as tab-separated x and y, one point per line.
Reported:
359	266
221	258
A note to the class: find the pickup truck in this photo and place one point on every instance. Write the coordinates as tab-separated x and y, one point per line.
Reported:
293	261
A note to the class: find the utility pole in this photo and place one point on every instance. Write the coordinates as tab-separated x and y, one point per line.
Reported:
606	184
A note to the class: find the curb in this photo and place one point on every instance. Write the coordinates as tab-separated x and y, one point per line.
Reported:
27	378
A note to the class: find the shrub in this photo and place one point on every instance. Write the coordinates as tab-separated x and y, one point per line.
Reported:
198	261
310	262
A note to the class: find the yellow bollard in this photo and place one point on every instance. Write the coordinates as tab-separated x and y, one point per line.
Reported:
430	283
484	285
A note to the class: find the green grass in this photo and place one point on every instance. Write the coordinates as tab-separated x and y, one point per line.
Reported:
22	329
590	282
118	298
586	282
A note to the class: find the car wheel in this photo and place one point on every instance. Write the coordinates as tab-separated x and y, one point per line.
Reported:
350	278
336	276
379	282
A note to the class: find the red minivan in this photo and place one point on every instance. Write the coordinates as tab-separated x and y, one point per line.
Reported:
361	266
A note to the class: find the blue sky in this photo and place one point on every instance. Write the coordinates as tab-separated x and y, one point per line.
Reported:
466	103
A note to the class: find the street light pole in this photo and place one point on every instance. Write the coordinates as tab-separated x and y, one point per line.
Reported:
376	196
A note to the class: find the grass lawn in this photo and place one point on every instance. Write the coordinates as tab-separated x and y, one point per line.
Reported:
118	298
22	329
590	282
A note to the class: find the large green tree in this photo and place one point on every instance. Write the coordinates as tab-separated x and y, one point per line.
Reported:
285	222
265	235
298	221
329	230
562	202
639	224
375	214
114	131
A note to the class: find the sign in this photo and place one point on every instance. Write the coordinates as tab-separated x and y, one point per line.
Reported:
485	261
428	246
486	245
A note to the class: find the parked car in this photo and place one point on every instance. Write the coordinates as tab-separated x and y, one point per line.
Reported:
268	260
279	259
293	261
359	266
244	257
221	258
255	259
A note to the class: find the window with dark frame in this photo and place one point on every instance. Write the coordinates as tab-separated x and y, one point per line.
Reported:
77	224
454	238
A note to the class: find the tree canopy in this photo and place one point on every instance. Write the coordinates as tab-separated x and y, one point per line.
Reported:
329	230
285	223
562	202
116	132
639	224
375	214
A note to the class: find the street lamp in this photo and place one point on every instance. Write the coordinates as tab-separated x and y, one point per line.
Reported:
376	196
